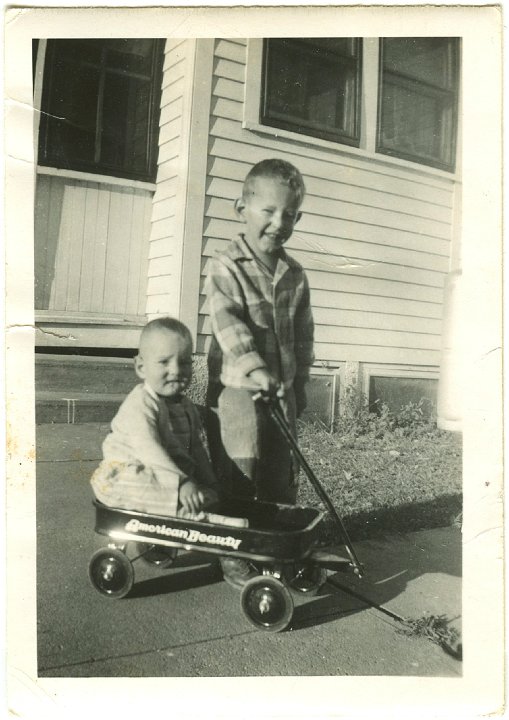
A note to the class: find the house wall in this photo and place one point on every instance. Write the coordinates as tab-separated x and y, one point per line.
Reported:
165	249
374	237
91	256
91	241
179	200
91	247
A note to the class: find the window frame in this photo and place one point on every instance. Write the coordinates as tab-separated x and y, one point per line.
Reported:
48	159
369	104
430	90
308	130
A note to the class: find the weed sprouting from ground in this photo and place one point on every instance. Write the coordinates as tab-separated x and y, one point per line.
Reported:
360	419
436	628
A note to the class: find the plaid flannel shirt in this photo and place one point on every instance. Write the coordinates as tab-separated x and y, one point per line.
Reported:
259	320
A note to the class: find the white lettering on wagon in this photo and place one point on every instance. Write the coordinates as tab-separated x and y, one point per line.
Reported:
194	536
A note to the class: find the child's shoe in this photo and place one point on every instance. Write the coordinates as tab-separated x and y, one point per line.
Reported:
236	572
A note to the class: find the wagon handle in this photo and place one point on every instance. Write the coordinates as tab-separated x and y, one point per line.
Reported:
277	414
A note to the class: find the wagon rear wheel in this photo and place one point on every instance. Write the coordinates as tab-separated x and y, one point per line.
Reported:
267	603
111	573
305	578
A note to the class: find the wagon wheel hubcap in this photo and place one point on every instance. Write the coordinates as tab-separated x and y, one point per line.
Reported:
268	605
111	573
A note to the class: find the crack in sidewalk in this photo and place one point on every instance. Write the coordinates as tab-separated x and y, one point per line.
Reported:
140	653
195	643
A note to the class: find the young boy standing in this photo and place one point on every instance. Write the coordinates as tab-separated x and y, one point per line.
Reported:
262	340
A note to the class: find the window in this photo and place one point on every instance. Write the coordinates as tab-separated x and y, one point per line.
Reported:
100	106
35	49
418	99
312	86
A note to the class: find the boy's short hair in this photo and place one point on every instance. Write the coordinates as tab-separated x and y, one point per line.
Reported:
279	170
168	323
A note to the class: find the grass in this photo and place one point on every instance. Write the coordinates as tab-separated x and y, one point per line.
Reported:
385	472
396	482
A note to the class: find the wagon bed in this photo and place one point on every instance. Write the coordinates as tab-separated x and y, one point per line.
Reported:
275	532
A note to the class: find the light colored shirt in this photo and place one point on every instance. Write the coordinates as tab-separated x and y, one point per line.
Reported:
160	434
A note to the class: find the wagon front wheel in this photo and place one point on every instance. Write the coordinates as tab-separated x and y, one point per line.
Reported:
111	573
267	603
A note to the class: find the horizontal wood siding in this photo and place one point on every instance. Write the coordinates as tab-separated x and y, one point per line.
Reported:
165	253
91	247
374	237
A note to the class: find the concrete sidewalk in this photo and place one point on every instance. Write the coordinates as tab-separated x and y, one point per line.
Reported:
187	622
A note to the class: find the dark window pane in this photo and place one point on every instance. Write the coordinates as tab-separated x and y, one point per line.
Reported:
126	112
130	55
312	86
416	124
82	51
286	84
426	59
340	46
73	113
35	50
101	106
418	105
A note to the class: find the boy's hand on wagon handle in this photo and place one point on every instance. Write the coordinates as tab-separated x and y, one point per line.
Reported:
263	381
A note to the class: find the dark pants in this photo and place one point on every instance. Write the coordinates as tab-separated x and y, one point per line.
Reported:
249	454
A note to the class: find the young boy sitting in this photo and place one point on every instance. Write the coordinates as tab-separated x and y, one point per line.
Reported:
262	340
154	460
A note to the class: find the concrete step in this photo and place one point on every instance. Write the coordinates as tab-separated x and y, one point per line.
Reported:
80	389
66	374
73	407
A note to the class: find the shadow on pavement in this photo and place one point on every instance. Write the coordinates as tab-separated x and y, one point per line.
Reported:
392	568
391	565
330	605
171	582
438	512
